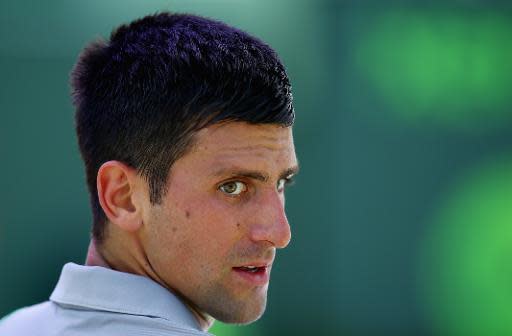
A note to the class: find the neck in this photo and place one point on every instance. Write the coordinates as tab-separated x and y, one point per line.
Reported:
100	256
94	257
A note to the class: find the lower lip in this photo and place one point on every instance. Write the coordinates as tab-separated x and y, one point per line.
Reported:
259	278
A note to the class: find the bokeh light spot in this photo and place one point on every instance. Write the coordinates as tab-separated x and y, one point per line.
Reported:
448	67
466	269
223	329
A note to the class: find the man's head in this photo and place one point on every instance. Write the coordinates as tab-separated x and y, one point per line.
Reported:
184	127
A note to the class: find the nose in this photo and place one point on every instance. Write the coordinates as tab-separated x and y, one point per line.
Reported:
270	222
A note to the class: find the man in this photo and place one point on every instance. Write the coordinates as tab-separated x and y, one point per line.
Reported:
184	126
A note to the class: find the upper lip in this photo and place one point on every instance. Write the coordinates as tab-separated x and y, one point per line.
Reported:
261	263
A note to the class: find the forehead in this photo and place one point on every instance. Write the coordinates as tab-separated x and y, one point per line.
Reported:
244	145
241	136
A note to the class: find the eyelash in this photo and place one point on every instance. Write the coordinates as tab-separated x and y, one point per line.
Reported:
287	182
233	195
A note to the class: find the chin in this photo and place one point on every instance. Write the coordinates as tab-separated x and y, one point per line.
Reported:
232	306
241	317
238	312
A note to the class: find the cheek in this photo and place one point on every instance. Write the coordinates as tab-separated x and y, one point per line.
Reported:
214	225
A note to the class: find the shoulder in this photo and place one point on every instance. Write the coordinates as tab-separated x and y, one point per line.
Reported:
51	319
28	321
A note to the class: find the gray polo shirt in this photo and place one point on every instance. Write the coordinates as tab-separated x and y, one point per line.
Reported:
91	300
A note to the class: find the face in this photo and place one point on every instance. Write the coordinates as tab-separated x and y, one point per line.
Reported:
214	236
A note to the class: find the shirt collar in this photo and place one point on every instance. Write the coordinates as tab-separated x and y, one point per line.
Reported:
99	288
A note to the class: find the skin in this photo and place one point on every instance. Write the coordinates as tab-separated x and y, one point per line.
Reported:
223	208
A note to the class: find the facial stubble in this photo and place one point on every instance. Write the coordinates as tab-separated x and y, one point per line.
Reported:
222	304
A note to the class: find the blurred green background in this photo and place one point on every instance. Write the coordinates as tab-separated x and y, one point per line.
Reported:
401	216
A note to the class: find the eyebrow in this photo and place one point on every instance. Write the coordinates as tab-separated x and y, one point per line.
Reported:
254	174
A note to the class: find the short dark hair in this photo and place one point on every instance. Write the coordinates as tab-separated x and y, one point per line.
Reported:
142	95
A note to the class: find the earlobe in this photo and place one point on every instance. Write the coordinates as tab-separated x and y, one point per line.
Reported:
116	183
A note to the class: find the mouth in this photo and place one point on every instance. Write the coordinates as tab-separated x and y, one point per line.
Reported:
251	269
256	275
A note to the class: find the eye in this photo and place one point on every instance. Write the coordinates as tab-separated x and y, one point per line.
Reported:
282	183
233	188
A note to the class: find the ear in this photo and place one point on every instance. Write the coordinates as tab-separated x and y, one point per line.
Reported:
117	184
